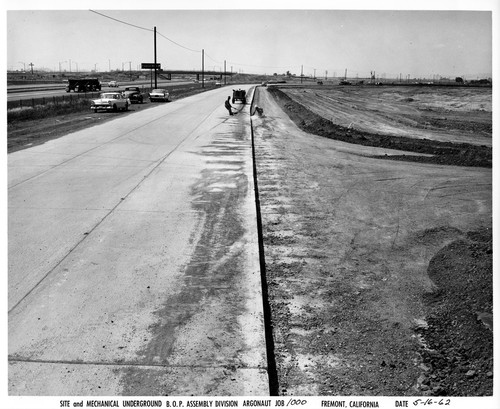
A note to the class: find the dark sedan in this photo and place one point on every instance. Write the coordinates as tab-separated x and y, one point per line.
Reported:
134	95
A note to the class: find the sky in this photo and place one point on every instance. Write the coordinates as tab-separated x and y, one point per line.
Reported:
325	41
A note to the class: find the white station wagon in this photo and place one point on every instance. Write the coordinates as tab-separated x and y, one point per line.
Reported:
159	94
110	101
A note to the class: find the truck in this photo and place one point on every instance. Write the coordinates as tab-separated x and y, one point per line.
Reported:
83	85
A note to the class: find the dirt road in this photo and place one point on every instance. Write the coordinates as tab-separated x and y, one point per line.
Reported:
348	239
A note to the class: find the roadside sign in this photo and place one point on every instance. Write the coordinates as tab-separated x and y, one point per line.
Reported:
150	66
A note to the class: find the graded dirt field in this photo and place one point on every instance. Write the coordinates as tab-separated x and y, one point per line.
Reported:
446	148
379	272
449	114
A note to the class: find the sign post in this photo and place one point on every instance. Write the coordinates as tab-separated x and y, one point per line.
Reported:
151	66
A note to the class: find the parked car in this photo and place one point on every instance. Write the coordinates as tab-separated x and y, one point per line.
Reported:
110	101
218	84
112	84
133	94
159	95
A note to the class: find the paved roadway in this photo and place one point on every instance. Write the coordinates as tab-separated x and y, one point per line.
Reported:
133	258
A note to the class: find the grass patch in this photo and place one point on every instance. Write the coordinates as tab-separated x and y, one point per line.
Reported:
47	111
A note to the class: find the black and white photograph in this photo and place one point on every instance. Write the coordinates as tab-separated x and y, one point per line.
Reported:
252	205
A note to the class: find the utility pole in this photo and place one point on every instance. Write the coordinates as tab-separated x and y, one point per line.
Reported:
326	75
203	68
69	65
31	65
156	81
301	73
224	72
345	75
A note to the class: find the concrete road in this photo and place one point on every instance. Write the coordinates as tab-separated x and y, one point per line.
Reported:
133	258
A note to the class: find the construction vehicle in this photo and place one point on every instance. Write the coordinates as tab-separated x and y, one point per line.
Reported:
239	95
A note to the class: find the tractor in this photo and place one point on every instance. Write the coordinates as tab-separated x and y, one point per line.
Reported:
239	95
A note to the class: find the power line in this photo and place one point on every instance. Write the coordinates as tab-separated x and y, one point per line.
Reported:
120	21
146	29
218	62
180	45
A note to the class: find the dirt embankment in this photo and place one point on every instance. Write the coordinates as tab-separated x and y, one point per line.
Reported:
439	152
458	357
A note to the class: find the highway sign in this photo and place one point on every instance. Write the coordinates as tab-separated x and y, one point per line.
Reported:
150	66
